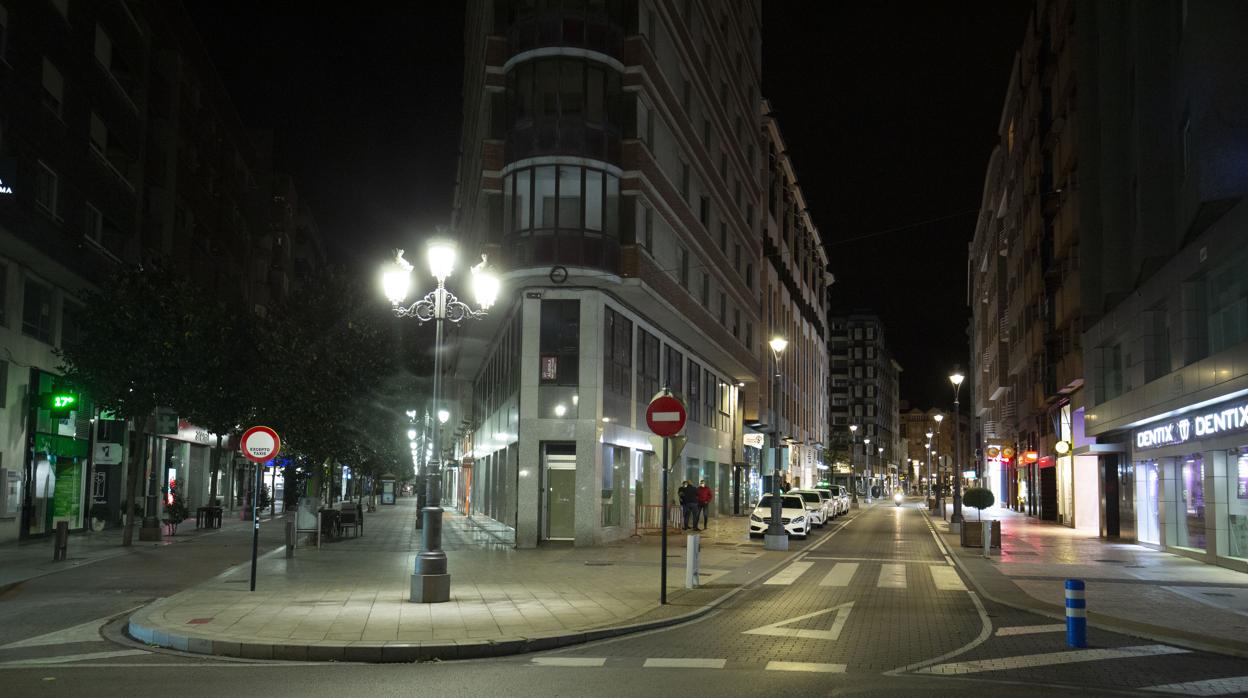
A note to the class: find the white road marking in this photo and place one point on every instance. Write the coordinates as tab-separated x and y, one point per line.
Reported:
569	661
74	657
877	559
684	663
892	577
86	632
777	629
789	574
1035	660
840	575
947	579
806	666
1208	687
1030	629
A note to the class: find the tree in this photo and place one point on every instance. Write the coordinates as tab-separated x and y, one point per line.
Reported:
138	348
979	498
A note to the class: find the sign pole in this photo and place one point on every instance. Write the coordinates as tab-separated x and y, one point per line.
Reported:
255	522
663	535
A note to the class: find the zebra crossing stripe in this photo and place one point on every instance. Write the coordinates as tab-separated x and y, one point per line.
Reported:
946	579
789	574
840	576
1035	660
1209	687
892	577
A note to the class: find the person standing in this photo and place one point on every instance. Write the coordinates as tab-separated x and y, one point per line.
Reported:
688	504
704	504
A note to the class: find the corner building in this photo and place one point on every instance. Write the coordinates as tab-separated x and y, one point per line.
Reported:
611	168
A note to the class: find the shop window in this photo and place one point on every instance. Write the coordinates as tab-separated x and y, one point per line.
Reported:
1237	504
37	311
560	342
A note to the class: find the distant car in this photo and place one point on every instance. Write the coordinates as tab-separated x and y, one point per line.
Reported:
842	493
834	500
792	516
818	506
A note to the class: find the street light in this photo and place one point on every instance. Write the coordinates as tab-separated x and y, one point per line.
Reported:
928	448
776	538
853	451
956	378
880	460
940	490
866	467
430	581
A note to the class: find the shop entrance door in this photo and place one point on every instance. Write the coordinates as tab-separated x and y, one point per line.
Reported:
559	468
1048	494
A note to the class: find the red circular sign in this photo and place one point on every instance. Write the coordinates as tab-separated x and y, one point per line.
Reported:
259	444
665	416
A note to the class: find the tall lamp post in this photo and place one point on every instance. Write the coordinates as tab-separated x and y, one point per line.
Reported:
430	582
928	493
883	469
940	481
956	378
776	538
866	468
853	472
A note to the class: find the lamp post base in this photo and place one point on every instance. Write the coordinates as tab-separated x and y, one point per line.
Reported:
431	588
774	541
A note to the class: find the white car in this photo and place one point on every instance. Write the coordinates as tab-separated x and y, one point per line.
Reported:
834	501
792	516
842	494
818	507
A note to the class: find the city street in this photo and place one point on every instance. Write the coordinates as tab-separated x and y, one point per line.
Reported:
869	605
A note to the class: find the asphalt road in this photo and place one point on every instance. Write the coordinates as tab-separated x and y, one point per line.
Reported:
871	604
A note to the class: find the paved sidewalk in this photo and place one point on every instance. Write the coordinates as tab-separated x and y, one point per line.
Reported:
349	599
21	561
1130	588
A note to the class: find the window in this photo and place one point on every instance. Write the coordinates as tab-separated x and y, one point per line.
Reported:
695	391
62	6
617	365
723	236
99	135
53	88
46	185
723	308
647	370
560	342
684	181
706	133
673	380
650	117
749	276
686	95
71	332
684	267
1187	145
708	398
1226	302
93	227
736	258
103	48
736	323
37	311
4	297
706	289
704	211
4	32
649	230
749	336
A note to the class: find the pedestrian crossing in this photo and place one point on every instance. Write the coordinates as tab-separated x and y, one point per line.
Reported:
884	575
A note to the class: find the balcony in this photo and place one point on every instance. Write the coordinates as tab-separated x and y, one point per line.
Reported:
574	28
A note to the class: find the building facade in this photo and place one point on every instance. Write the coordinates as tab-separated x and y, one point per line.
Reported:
864	393
1165	424
612	162
1025	279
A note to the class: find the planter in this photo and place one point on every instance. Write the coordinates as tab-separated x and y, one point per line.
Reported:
98	525
973	536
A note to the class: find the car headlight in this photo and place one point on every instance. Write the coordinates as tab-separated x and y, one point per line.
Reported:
799	519
756	517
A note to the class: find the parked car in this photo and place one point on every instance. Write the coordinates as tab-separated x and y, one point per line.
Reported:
835	503
842	493
792	516
818	507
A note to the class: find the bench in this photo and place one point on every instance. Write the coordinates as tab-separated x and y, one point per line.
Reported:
350	517
209	517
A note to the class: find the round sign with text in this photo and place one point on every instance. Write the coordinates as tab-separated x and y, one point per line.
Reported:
665	416
260	444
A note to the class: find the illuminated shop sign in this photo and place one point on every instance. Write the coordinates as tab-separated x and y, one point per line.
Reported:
8	173
1220	419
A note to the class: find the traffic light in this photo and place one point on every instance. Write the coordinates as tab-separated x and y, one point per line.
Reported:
60	403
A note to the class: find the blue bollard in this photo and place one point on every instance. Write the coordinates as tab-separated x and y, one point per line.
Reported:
1076	614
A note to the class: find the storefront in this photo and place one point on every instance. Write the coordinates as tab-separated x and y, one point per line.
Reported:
1190	478
55	479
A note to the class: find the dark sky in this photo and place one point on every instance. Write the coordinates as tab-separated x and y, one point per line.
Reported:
889	110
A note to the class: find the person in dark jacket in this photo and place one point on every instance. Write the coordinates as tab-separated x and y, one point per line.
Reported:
688	504
705	495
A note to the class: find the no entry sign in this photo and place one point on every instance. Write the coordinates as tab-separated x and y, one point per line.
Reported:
260	444
665	416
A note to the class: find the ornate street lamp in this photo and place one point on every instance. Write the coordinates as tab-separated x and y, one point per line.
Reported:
956	378
776	538
430	581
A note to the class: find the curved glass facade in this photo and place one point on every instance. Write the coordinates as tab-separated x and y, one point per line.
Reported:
593	24
562	214
563	105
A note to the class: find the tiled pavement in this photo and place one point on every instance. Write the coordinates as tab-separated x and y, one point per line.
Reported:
354	592
1129	587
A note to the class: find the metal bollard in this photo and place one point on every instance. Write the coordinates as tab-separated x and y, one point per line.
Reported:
61	549
693	548
1076	614
986	528
291	538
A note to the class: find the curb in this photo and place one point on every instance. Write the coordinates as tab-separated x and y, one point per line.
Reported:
407	652
1099	621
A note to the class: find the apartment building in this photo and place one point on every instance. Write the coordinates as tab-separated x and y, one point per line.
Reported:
864	393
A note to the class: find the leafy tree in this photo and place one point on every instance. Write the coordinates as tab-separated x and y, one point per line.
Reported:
980	498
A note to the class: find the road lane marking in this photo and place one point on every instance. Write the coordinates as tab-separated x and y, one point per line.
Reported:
1030	629
75	657
683	663
840	575
947	579
878	559
1037	660
569	661
806	666
789	574
85	632
892	576
1208	687
777	629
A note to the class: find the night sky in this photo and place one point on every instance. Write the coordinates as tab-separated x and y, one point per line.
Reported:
889	110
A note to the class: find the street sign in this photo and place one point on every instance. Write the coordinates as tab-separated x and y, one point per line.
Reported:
260	444
665	416
166	421
106	454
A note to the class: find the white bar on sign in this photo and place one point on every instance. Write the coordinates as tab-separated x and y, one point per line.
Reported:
666	416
